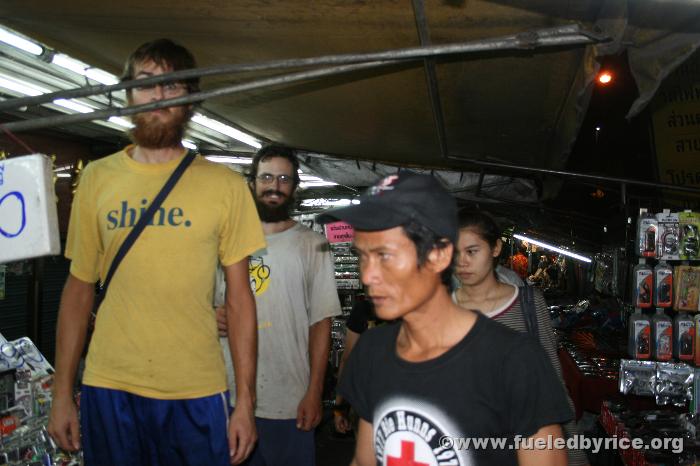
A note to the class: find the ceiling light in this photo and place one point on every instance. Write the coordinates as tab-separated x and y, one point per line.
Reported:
64	61
78	67
226	129
73	105
189	144
552	248
20	42
229	159
101	76
605	77
123	122
316	184
21	86
63	175
321	202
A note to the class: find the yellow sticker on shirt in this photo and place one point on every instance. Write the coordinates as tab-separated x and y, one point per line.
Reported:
259	275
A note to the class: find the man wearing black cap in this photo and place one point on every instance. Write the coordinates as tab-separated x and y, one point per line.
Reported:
441	374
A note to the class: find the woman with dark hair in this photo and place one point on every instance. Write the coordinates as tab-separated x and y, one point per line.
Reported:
480	287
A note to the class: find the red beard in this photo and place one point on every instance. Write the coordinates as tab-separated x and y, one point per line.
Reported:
151	132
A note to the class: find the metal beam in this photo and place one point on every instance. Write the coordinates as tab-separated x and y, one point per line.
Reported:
186	99
565	174
431	77
570	35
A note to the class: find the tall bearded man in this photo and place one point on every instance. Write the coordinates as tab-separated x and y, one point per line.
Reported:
296	297
154	389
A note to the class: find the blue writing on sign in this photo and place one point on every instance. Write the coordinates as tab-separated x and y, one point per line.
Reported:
2	173
18	195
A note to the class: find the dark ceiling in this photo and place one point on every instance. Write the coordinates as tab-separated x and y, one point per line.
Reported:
526	107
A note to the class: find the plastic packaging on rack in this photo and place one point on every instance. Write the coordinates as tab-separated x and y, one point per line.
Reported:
661	336
647	229
687	288
674	384
639	338
663	285
346	260
637	377
668	246
683	337
643	285
22	354
689	225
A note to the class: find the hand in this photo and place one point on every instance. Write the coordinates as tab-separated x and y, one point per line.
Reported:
309	412
341	422
241	434
63	424
221	322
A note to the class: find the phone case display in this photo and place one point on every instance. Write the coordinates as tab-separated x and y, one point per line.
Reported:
347	280
687	293
661	336
603	273
690	235
663	285
609	271
347	271
639	338
683	337
668	244
643	285
647	229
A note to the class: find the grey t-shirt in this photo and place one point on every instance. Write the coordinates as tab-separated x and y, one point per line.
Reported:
294	286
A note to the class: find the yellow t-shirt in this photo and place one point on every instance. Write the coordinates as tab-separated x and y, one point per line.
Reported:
155	333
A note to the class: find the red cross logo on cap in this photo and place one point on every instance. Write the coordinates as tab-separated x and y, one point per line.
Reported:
407	456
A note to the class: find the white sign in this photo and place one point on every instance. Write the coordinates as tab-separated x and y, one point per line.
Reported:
28	217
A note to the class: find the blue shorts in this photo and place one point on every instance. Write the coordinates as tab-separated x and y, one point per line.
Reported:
119	429
280	443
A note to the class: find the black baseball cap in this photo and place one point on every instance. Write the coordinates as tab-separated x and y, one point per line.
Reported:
398	199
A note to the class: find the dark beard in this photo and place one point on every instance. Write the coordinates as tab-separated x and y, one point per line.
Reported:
272	214
153	134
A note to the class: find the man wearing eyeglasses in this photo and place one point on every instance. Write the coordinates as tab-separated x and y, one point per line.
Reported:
295	296
154	387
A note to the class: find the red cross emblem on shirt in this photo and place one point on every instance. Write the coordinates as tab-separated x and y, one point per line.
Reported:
407	456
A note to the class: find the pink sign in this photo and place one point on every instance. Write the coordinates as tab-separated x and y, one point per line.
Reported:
339	232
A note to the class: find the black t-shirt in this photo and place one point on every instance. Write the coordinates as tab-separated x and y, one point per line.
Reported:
494	383
362	312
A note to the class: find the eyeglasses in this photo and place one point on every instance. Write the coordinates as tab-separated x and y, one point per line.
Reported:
267	178
169	89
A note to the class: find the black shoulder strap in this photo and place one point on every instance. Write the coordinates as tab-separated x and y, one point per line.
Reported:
145	219
529	310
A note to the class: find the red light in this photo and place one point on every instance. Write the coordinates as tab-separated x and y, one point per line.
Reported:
605	77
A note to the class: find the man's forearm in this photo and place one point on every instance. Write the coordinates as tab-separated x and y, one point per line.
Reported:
243	343
73	317
319	346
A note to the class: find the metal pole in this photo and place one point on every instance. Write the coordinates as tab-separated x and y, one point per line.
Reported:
431	77
549	37
34	302
186	99
565	174
480	184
